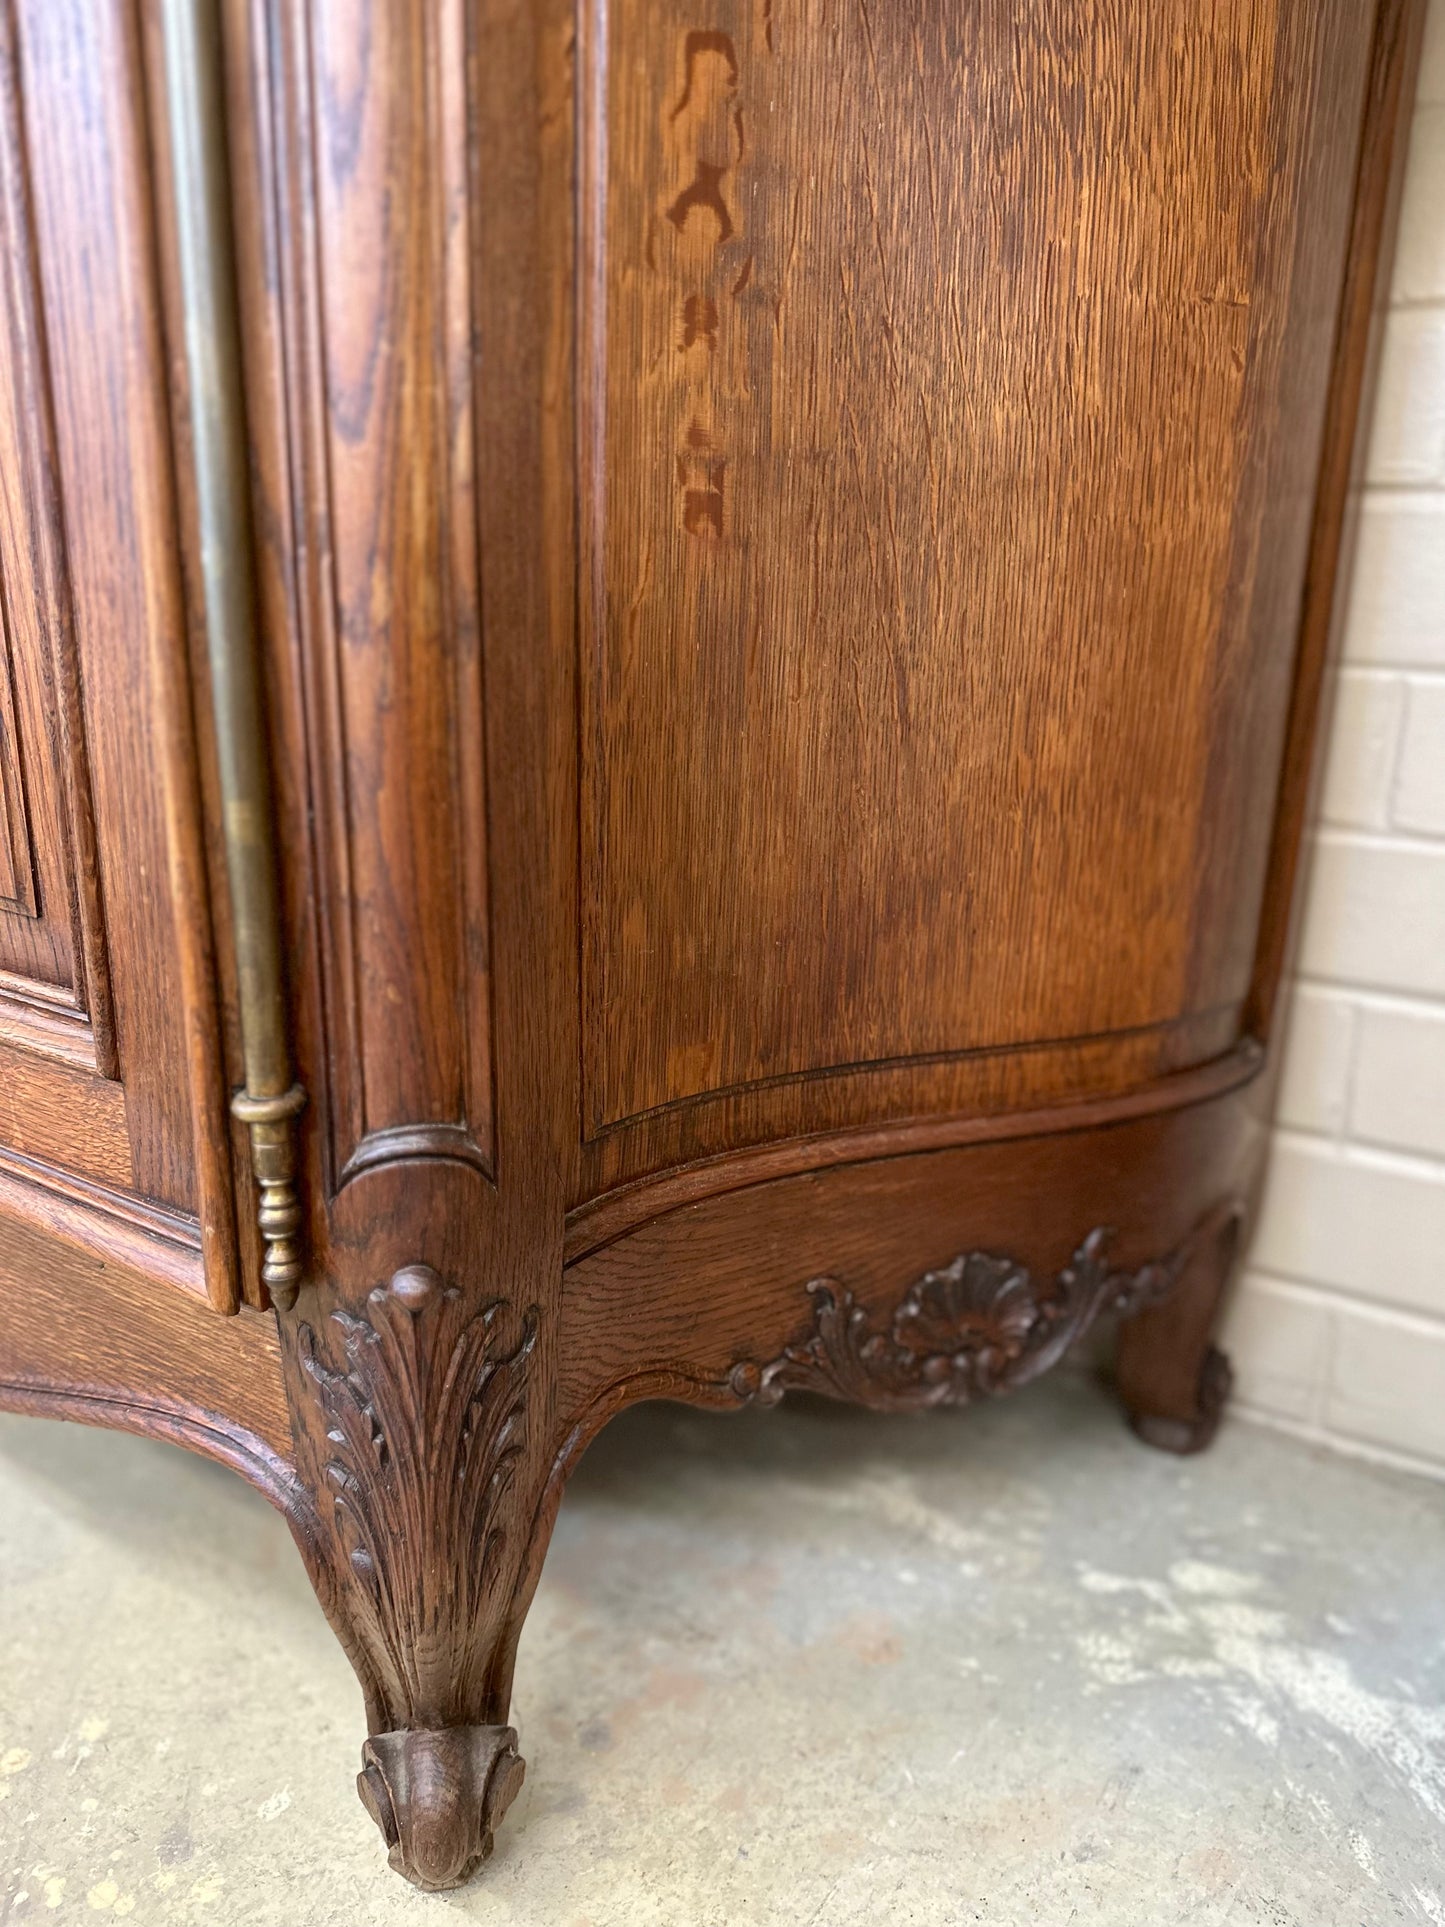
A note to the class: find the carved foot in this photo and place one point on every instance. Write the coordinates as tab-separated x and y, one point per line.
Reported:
1173	1379
1185	1435
438	1797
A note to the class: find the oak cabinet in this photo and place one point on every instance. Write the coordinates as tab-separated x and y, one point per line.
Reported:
660	667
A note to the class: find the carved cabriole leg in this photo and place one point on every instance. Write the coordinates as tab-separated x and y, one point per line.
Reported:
421	1426
1174	1381
427	1434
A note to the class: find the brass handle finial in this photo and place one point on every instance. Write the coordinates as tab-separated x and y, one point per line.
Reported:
271	1100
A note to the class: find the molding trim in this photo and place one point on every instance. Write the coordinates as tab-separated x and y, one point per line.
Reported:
208	1433
114	1225
439	1143
603	1220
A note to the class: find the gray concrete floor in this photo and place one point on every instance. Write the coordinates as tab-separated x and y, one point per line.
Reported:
806	1667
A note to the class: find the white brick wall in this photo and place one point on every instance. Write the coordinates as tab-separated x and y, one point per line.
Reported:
1338	1328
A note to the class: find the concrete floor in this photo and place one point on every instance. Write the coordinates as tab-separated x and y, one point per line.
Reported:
806	1667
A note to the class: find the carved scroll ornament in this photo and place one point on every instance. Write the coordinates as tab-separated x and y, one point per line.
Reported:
980	1326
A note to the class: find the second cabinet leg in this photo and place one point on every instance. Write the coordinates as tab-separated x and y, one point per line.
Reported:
1173	1379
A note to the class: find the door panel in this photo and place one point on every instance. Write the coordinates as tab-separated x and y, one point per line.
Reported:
951	401
112	1089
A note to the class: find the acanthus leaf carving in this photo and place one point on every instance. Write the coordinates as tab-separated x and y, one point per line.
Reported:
423	1430
977	1327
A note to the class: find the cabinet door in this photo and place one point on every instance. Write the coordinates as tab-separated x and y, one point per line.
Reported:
952	384
112	1097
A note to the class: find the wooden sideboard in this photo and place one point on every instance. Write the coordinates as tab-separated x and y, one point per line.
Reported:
660	672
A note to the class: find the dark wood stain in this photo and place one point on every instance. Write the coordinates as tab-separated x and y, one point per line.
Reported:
796	550
982	659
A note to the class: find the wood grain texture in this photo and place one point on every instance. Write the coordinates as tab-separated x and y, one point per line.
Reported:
105	1222
88	1330
377	313
91	504
1390	89
939	526
63	1111
48	864
1143	560
791	547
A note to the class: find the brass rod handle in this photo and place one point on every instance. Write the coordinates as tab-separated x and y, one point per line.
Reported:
195	111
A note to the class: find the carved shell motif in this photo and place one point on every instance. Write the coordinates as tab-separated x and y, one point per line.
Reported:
979	1326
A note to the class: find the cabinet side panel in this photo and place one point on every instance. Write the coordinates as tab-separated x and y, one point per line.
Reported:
951	403
1384	151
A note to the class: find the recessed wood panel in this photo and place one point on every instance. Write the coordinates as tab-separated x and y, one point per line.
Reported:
52	945
951	384
62	1114
109	1031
